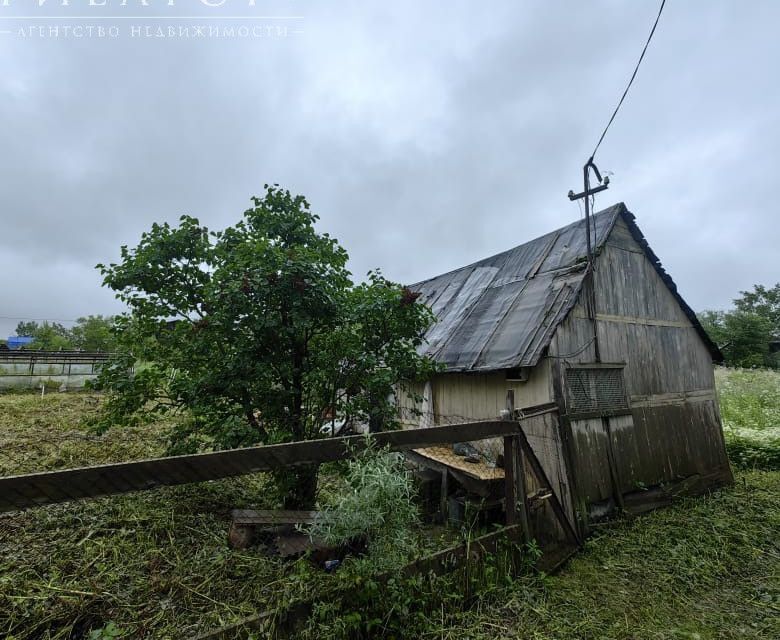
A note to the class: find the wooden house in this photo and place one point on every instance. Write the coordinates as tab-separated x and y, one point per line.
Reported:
612	351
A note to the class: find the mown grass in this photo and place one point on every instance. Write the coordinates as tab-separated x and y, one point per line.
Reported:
45	433
157	564
707	568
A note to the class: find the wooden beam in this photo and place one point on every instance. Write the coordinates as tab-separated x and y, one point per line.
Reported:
19	492
272	517
541	476
515	502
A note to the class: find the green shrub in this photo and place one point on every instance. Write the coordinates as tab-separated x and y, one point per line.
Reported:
754	449
378	505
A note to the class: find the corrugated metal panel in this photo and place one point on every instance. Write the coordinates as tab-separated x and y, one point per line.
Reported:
500	312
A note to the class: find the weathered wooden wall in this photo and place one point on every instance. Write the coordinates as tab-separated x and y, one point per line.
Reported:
458	397
674	429
461	397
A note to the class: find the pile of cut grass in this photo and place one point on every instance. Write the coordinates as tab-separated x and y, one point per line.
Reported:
152	564
155	564
46	433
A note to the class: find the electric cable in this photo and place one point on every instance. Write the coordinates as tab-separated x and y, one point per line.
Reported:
630	82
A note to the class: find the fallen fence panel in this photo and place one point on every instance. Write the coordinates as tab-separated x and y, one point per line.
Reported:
19	492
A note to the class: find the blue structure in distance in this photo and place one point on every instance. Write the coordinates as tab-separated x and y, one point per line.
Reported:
17	342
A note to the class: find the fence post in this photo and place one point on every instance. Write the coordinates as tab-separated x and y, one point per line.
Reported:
514	477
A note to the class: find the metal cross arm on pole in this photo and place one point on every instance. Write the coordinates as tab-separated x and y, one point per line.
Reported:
588	191
578	196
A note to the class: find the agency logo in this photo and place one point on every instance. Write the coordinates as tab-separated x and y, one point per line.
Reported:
112	19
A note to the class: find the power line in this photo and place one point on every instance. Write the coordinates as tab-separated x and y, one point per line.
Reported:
29	319
630	82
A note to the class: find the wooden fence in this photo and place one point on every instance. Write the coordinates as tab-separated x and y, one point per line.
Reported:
36	489
19	492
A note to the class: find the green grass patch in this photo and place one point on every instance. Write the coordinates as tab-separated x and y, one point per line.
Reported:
750	410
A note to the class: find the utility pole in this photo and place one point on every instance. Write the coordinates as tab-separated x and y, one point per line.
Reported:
587	192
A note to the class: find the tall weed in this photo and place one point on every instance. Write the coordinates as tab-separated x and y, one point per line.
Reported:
750	408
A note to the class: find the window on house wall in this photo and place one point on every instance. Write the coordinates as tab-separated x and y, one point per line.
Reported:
596	390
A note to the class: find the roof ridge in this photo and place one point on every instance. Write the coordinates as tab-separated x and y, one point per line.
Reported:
618	207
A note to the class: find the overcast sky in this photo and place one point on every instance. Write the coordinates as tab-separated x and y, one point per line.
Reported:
426	135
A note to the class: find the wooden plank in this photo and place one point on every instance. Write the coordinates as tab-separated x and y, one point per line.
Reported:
566	436
482	488
273	517
18	492
515	502
614	475
477	470
541	476
515	498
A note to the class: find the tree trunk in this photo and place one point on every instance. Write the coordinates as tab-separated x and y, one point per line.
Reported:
300	487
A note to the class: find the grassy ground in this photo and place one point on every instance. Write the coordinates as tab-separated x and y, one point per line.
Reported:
706	568
156	563
45	433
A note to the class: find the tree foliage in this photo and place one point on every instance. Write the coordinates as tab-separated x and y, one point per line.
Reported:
763	302
90	333
258	331
745	334
49	336
94	333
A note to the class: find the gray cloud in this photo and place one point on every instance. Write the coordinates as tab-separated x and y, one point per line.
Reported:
426	135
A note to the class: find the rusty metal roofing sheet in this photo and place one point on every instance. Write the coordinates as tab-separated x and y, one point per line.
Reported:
501	312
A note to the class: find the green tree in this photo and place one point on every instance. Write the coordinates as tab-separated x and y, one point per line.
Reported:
259	333
762	301
742	336
26	328
48	336
94	333
713	323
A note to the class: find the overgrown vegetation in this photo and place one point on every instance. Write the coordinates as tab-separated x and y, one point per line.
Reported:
750	409
377	505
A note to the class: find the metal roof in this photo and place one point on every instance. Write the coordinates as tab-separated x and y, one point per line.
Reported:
501	312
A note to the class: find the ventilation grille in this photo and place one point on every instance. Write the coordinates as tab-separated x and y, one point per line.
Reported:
597	390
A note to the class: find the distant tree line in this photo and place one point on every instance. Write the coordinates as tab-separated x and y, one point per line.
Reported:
92	333
749	334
